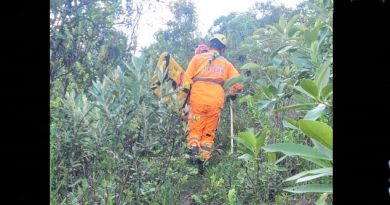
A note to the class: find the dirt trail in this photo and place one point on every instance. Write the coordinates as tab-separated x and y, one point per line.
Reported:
196	184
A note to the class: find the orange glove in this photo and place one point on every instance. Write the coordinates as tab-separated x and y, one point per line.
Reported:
235	89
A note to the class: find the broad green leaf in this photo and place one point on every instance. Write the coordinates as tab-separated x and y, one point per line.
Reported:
272	89
248	136
314	50
271	156
309	36
292	21
131	69
296	107
289	125
232	197
250	66
301	27
244	146
292	122
277	61
311	188
282	22
319	162
261	139
308	178
315	113
310	87
260	82
267	92
247	98
264	104
246	157
138	62
326	91
322	199
197	198
303	99
322	77
277	28
324	34
280	169
281	50
303	63
293	32
110	200
313	172
320	131
284	49
281	159
324	150
248	140
232	81
295	150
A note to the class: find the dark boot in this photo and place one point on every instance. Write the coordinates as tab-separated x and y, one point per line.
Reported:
193	152
200	164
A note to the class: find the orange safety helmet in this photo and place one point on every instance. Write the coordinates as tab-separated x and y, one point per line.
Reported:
202	48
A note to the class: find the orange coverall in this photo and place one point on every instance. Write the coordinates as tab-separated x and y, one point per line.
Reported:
206	99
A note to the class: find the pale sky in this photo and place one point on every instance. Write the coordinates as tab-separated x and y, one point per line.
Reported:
207	10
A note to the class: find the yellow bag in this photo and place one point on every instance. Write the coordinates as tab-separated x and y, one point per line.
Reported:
175	73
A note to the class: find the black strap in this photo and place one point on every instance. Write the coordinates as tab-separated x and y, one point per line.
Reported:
212	80
167	58
212	58
187	97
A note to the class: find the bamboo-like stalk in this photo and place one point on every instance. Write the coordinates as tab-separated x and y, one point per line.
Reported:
231	126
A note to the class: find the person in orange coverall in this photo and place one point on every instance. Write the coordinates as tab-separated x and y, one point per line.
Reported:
208	71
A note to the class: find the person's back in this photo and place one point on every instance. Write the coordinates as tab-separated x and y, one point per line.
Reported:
207	87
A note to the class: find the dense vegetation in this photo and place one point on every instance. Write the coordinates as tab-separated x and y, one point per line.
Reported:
113	142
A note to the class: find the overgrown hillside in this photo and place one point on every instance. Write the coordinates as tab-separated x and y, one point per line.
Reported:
112	141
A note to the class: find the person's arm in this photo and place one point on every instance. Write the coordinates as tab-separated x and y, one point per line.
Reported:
186	85
188	75
190	71
236	87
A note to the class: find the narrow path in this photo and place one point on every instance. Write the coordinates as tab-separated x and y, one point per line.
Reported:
196	184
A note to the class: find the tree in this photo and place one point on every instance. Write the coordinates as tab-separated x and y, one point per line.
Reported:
84	42
268	13
181	36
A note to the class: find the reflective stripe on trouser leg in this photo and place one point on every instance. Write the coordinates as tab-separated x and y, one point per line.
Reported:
193	141
211	123
196	125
